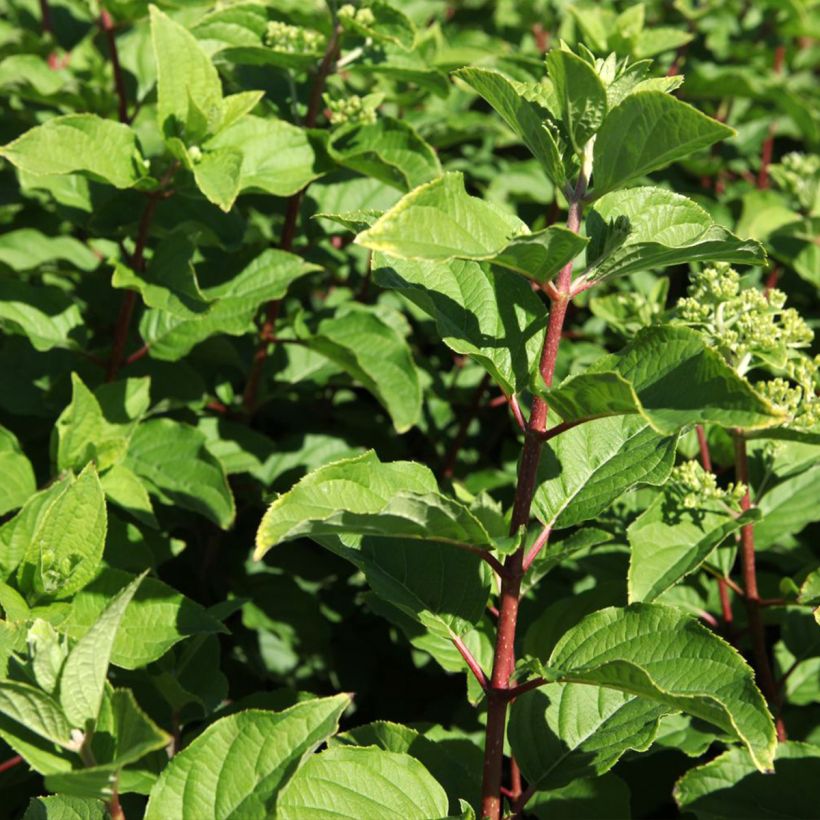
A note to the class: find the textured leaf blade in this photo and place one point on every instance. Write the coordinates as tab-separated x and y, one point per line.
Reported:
36	711
238	765
660	653
539	256
19	483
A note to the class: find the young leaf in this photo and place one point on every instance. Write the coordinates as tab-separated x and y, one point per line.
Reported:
644	228
79	144
238	765
363	496
377	356
648	131
217	175
729	786
581	95
560	733
173	460
492	317
664	655
669	541
524	117
157	618
362	782
35	711
66	529
586	468
440	220
83	679
19	483
189	91
539	256
124	488
645	378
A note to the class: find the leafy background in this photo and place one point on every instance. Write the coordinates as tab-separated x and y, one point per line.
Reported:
136	318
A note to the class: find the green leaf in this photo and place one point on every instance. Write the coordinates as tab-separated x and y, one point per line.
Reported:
26	249
85	144
376	355
238	765
645	132
492	317
65	529
560	733
440	220
525	118
19	483
787	507
157	618
659	653
669	541
83	679
189	91
217	175
363	496
44	314
729	787
233	305
586	468
173	460
84	434
169	283
384	23
361	783
602	798
645	378
388	150
35	711
540	255
646	227
276	156
65	807
122	486
581	95
454	763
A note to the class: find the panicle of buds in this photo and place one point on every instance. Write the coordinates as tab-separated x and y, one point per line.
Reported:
293	39
697	486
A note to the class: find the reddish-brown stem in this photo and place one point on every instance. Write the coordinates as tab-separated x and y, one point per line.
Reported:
251	391
515	780
504	657
703	445
137	355
471	662
753	614
107	25
45	17
453	450
537	546
10	763
768	144
519	690
725	602
115	807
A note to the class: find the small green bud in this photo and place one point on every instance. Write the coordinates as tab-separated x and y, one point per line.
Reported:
195	153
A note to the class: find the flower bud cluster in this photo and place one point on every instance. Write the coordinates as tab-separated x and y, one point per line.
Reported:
353	109
364	17
742	323
798	395
697	486
293	39
799	175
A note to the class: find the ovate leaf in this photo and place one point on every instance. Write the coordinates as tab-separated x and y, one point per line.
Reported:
238	765
440	220
79	144
83	679
663	655
18	483
35	711
173	459
362	782
217	175
560	733
377	356
363	496
647	131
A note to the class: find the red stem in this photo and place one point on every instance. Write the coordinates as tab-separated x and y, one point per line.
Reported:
45	17
107	25
756	627
504	657
251	391
10	763
471	662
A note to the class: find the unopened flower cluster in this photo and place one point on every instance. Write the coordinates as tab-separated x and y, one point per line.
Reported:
292	39
799	175
697	486
363	17
353	108
752	329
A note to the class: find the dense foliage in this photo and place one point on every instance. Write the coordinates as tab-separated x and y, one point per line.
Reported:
491	326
